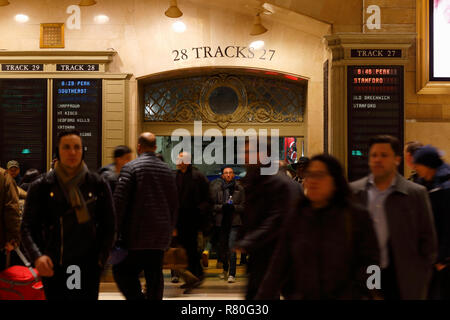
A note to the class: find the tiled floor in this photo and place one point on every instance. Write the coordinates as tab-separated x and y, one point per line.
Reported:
212	288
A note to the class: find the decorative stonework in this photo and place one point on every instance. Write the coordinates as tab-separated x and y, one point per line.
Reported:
257	99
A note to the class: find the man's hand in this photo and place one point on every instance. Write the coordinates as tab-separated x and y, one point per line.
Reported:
44	266
9	246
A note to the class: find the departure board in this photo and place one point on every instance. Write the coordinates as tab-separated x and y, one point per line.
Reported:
23	123
77	105
375	106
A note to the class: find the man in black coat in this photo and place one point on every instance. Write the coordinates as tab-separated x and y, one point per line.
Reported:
122	155
227	195
68	224
268	198
193	214
146	204
434	174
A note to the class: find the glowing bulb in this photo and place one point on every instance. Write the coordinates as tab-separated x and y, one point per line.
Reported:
22	18
259	44
179	26
101	19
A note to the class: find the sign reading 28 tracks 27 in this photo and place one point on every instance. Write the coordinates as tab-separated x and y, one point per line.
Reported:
231	52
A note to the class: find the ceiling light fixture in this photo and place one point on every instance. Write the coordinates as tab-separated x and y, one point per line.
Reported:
87	3
258	28
173	11
100	19
258	44
4	3
21	18
179	27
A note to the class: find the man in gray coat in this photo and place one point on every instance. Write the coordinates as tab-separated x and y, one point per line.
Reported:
403	221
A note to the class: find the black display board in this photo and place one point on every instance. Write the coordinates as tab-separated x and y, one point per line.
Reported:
23	123
375	106
77	104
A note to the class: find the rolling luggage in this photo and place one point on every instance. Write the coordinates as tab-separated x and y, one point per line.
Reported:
21	283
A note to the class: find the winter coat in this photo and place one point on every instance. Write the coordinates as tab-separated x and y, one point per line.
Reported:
217	196
412	234
108	172
146	203
268	198
9	210
50	225
439	192
194	202
322	254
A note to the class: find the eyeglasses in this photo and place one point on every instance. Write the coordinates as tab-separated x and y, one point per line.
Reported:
318	175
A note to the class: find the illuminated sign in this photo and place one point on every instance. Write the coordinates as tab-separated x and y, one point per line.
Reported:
375	106
78	106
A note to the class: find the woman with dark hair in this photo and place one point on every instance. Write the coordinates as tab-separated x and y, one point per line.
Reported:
327	243
28	178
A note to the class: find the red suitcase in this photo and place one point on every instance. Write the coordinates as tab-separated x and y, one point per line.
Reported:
21	283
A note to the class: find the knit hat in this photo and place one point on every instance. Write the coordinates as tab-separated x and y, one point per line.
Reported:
428	156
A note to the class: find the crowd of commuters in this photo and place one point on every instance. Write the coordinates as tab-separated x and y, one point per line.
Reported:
308	232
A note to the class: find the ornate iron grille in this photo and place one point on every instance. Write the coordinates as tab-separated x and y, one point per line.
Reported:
260	99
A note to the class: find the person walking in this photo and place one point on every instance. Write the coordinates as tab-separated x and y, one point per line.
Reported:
228	199
194	207
403	221
326	243
9	216
146	203
122	155
434	174
267	199
68	224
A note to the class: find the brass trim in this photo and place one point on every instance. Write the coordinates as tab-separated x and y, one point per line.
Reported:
423	83
42	44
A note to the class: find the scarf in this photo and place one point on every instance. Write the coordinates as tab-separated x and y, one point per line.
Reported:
228	189
72	193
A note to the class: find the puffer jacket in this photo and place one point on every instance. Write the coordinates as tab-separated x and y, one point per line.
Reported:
146	203
50	226
9	210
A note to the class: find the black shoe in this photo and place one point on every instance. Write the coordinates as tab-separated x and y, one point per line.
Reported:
192	286
184	286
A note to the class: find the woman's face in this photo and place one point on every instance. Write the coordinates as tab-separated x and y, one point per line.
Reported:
318	183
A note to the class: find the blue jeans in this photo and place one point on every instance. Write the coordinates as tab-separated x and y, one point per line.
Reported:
230	261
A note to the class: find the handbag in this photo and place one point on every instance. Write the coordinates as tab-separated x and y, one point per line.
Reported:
175	258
